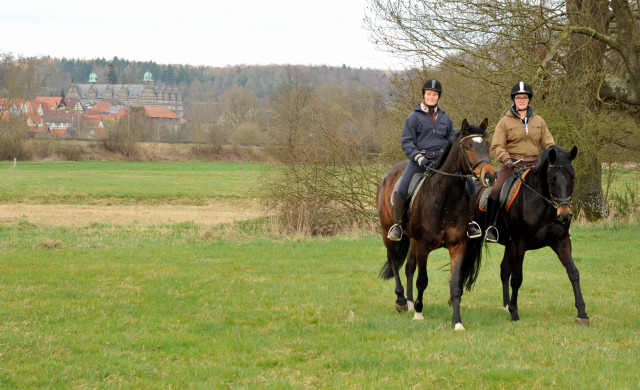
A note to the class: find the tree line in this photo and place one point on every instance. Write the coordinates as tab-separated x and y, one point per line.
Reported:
197	83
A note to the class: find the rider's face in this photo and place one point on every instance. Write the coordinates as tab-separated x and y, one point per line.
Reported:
522	101
431	98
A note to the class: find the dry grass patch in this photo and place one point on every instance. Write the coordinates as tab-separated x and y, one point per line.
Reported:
60	215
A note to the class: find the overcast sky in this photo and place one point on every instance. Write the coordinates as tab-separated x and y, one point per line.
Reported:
214	32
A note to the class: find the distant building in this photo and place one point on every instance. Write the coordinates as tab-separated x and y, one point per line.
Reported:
145	94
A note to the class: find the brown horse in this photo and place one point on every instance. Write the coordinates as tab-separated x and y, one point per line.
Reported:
439	215
539	216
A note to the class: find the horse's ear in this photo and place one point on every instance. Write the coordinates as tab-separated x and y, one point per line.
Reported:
552	156
465	126
484	124
573	153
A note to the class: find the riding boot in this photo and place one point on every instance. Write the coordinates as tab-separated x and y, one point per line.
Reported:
473	229
395	233
491	234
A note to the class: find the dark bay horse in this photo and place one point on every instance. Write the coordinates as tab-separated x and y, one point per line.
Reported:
439	214
539	216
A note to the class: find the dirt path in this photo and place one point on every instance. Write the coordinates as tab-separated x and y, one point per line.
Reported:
82	215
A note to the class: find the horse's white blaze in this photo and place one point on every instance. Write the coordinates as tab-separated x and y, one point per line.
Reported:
458	326
410	306
477	139
418	316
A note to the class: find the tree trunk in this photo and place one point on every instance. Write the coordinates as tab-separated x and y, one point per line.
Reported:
585	69
588	192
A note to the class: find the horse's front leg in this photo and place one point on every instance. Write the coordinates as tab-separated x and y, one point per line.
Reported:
409	270
563	250
456	254
512	261
422	281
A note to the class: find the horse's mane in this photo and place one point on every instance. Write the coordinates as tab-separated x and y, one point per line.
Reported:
562	158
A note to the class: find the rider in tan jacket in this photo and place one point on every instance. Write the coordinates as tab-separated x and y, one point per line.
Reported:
518	139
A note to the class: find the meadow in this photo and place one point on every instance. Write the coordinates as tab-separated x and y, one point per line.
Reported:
189	305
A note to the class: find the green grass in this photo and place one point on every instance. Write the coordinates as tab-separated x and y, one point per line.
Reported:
99	182
171	307
191	306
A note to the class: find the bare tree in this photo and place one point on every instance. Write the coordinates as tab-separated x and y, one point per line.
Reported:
18	83
292	110
582	56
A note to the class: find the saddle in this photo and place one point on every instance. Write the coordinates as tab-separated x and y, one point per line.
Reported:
414	186
508	192
418	178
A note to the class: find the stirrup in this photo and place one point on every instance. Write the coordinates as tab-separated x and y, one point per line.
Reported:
391	228
479	231
497	234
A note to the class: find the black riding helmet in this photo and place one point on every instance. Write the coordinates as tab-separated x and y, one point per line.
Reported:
521	87
433	85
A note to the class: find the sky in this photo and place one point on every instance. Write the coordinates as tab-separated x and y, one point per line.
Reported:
212	33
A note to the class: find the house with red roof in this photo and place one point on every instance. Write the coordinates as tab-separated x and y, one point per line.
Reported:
165	123
50	102
59	122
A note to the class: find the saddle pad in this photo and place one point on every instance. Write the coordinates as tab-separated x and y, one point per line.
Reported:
484	199
513	192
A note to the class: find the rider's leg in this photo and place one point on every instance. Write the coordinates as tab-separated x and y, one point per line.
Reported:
400	200
493	205
473	229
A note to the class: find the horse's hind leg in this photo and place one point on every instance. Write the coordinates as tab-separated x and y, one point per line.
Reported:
563	250
505	276
392	261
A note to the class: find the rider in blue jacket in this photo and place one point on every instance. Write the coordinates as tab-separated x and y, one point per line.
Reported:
427	131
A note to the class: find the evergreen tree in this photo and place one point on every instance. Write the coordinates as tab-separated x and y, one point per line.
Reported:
112	76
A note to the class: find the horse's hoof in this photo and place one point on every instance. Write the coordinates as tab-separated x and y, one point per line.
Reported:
582	321
458	326
506	307
401	308
418	316
410	306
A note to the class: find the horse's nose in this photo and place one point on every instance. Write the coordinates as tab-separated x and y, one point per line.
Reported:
564	216
489	179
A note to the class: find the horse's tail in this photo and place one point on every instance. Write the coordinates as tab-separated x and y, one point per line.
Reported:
471	263
402	248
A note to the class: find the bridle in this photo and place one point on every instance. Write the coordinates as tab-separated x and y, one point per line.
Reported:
554	201
558	202
472	167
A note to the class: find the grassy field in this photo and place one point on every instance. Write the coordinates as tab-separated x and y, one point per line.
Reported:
191	306
98	182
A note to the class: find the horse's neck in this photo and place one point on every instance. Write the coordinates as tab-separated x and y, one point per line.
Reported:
537	179
443	185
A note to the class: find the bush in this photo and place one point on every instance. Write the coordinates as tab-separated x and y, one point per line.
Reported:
13	136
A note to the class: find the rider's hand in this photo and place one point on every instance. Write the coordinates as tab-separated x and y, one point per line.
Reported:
422	161
510	165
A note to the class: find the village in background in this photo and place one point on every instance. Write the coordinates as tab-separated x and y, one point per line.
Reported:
89	108
102	99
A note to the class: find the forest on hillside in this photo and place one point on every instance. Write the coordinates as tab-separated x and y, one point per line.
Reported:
198	83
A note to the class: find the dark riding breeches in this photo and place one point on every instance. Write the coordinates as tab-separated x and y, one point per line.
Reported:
403	186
